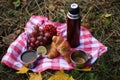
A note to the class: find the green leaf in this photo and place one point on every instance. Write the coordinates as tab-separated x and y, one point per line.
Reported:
16	3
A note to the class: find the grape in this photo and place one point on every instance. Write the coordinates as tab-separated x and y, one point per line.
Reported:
30	48
28	41
33	34
37	28
32	40
41	43
31	45
37	42
41	33
45	39
51	29
47	34
40	38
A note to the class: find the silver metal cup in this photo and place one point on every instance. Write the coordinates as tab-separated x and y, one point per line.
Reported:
80	58
29	57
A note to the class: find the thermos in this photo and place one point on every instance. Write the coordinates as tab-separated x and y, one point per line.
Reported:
73	25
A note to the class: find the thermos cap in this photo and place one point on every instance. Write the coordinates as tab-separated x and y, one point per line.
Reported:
74	9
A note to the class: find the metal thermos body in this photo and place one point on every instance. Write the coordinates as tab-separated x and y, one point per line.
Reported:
73	26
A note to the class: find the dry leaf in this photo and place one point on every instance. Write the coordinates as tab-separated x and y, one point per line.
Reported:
35	76
85	69
1	45
24	2
71	78
11	37
22	70
52	7
60	75
108	15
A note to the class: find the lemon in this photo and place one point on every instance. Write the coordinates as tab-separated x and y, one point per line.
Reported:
41	50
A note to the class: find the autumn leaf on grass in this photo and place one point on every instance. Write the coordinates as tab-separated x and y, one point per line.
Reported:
22	70
11	37
85	69
24	2
35	76
60	75
71	78
108	15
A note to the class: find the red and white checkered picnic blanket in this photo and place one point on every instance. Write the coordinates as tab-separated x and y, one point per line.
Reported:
87	43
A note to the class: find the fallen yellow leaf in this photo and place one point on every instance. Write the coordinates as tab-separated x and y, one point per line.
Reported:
22	70
35	76
60	75
85	69
71	78
108	15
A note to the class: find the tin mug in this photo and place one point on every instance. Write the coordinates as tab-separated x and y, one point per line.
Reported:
80	58
29	57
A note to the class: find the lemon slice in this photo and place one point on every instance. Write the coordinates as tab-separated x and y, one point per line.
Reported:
41	50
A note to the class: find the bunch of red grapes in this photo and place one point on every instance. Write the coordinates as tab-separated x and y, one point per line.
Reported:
41	37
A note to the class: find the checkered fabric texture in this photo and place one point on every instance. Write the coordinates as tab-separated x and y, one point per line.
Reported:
88	44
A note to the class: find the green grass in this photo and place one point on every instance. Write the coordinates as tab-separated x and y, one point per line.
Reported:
105	29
